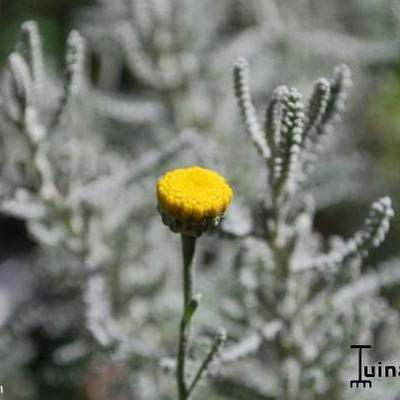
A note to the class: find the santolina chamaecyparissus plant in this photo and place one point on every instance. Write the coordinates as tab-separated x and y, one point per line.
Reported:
192	201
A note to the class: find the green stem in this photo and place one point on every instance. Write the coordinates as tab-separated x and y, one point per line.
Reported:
188	249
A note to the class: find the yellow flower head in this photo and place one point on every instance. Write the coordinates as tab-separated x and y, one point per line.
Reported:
192	200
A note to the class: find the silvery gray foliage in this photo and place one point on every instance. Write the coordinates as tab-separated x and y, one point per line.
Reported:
179	54
78	198
106	292
297	307
288	127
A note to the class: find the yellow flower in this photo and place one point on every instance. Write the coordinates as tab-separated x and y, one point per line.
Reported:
192	200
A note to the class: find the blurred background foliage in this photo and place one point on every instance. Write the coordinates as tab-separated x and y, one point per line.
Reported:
373	120
54	17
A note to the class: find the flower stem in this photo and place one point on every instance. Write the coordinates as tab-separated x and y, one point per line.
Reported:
188	249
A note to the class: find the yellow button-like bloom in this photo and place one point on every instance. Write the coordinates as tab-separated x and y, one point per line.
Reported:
192	200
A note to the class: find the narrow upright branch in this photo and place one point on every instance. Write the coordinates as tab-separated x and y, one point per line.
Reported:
249	117
30	47
75	73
